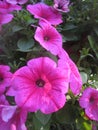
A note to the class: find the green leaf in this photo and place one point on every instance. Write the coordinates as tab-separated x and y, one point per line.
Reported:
43	118
38	125
96	30
93	44
25	45
84	77
70	36
83	124
67	114
96	84
69	26
16	28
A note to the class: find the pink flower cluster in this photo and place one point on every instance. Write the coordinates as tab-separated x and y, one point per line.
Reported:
11	117
42	84
49	38
6	8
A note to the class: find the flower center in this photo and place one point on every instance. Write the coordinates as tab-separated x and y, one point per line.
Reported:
92	99
40	83
46	38
60	6
1	79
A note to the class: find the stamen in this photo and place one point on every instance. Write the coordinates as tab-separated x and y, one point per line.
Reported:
40	83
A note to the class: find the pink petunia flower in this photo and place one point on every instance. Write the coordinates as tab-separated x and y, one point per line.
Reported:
89	101
49	38
12	118
75	78
5	77
44	12
17	1
41	85
61	5
6	8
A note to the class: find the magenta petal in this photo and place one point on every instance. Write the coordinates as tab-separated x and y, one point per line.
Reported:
13	118
3	101
92	112
11	91
49	38
31	99
52	102
75	78
11	1
85	98
60	80
5	78
41	64
43	11
61	5
8	112
6	8
24	78
22	2
89	101
17	1
5	18
5	67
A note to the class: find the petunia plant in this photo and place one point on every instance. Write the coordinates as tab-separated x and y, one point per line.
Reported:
48	65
